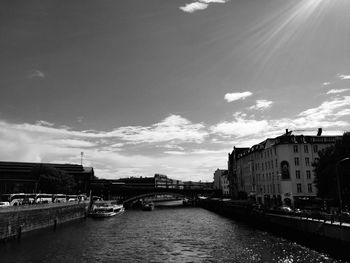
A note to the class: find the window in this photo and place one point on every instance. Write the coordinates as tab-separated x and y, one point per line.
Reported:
279	188
275	151
315	148
299	188
297	174
271	164
309	188
306	148
296	161
307	161
295	148
308	174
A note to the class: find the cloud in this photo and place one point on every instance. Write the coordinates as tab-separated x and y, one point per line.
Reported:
172	128
261	105
213	1
36	74
200	5
335	91
343	77
240	127
326	83
237	96
174	146
192	7
44	123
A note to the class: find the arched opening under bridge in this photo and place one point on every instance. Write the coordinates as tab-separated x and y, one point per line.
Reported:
141	196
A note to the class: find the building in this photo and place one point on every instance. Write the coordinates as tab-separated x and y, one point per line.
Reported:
18	177
221	182
279	170
162	181
232	172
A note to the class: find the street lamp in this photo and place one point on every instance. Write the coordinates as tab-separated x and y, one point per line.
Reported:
339	182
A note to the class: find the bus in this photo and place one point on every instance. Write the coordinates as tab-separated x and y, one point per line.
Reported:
59	198
43	198
19	199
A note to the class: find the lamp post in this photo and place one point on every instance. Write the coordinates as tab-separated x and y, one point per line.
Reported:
339	181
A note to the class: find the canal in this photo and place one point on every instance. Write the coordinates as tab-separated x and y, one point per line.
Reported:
164	235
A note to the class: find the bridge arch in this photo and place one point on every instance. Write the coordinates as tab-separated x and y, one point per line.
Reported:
136	197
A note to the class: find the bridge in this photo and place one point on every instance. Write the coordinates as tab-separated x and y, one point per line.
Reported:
130	193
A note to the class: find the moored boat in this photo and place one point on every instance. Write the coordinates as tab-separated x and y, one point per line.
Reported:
102	211
118	209
149	206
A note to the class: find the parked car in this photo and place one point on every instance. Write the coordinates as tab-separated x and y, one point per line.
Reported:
285	209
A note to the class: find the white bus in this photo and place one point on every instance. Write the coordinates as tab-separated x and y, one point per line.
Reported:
43	199
19	199
59	198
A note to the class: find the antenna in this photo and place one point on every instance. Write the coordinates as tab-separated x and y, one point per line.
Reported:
81	158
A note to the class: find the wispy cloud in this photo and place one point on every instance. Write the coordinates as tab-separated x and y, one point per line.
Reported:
336	91
343	77
175	145
237	96
326	83
261	105
200	5
192	7
172	128
44	123
36	74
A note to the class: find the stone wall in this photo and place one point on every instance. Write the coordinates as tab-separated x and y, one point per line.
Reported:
17	220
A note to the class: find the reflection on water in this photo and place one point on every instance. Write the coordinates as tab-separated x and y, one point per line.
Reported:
163	235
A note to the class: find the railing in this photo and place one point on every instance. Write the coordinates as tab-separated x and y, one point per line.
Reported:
313	215
39	206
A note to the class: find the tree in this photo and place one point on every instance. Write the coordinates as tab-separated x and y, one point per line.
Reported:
326	173
52	180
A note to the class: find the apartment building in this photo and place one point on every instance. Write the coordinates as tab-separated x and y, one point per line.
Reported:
279	170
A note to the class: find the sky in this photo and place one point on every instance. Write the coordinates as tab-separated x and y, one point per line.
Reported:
167	86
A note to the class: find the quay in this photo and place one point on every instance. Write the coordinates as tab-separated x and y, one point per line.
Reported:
319	233
16	220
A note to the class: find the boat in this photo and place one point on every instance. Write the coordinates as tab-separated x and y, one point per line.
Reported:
118	209
148	206
102	211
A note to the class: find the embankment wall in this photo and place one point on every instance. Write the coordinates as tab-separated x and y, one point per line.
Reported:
17	220
331	237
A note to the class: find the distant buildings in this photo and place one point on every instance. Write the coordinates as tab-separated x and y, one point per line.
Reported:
221	182
16	177
278	170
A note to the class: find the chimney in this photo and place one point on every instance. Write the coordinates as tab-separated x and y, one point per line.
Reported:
286	131
319	131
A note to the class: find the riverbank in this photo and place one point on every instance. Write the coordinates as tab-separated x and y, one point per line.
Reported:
323	235
15	221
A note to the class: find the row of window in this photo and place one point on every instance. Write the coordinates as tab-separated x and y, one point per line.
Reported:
300	190
306	148
268	189
298	174
271	188
265	165
307	161
268	176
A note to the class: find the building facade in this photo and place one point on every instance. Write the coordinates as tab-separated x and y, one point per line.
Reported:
16	177
279	170
221	182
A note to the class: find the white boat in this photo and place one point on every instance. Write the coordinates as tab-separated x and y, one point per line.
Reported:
118	208
102	211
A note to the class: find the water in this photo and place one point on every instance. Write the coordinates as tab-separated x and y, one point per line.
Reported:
163	235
